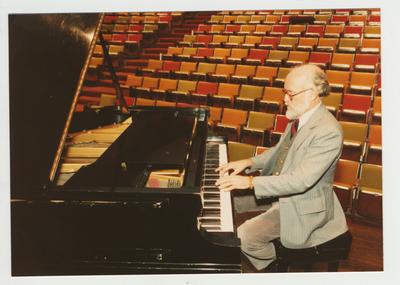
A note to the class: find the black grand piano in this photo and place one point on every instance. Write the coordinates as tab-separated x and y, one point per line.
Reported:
111	190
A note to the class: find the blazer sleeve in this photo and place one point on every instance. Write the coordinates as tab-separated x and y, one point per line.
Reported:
321	153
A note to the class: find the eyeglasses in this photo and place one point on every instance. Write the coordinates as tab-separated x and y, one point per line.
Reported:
288	92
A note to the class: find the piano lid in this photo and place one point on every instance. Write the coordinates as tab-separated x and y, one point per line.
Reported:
47	55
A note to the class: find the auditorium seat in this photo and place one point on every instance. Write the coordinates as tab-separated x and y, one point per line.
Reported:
256	130
264	75
280	77
222	72
277	57
366	62
315	31
118	38
186	69
345	182
279	30
355	108
231	29
327	44
187	40
321	19
202	40
370	45
131	82
272	19
121	28
247	96
219	55
372	32
218	40
133	40
238	151
297	58
257	19
217	29
338	80
296	30
332	102
348	45
234	41
246	29
202	54
376	110
243	73
203	69
227	19
288	43
107	100
339	19
168	68
262	30
148	84
203	29
237	55
215	19
333	31
342	61
225	95
183	90
352	31
279	127
152	66
272	100
322	59
165	86
251	41
115	50
369	198
256	56
307	44
362	82
374	145
203	91
374	20
186	53
135	28
215	115
354	136
285	20
171	52
357	20
242	19
231	122
269	42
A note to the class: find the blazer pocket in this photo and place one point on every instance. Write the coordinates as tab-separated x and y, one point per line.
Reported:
309	206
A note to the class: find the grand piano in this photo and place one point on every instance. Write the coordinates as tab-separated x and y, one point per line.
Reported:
110	190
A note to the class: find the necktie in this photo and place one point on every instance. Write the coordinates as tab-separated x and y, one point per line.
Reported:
293	129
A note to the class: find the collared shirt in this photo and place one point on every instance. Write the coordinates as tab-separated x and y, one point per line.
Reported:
303	119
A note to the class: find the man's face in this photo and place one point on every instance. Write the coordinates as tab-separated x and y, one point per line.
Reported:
298	96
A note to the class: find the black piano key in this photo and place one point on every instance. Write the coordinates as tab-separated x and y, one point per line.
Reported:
210	221
209	182
211	196
212	204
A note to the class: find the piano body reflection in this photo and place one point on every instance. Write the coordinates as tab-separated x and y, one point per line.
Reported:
133	195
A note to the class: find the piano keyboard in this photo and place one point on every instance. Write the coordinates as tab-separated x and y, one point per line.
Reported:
217	206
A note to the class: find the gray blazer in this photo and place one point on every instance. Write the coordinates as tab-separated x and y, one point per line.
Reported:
310	212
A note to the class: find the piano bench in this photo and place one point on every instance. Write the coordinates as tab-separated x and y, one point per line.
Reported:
330	252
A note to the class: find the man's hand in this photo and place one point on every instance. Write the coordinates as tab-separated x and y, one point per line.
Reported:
236	166
230	182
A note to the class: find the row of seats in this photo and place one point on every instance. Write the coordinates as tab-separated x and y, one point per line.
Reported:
369	11
357	19
161	18
344	45
353	82
357	185
274	58
310	30
132	28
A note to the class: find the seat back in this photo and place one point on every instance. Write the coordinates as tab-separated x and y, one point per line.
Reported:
333	100
300	56
363	79
225	69
186	85
239	151
204	67
133	80
228	89
251	91
150	82
261	120
338	77
245	70
273	94
320	57
233	117
280	123
346	172
206	88
278	54
167	84
266	71
375	135
188	66
356	102
356	132
258	54
371	177
239	53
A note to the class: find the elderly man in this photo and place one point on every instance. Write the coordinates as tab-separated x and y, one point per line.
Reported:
299	170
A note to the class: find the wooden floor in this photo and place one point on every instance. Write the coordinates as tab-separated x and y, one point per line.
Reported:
366	252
